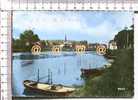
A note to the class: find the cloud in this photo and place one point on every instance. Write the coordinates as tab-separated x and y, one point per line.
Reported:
47	22
102	25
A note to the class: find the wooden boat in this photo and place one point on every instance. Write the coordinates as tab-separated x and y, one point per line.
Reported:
91	72
50	89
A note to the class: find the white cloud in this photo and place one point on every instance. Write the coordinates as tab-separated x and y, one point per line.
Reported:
57	22
47	22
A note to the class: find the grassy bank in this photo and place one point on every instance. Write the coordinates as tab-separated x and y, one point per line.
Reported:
117	81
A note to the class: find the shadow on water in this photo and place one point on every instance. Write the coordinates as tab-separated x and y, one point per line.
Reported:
65	69
28	92
37	93
30	56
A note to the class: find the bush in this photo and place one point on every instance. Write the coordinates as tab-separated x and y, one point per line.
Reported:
117	81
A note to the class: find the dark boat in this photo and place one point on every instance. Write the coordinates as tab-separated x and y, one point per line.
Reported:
91	72
49	89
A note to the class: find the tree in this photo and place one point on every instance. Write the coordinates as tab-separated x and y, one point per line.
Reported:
26	41
125	38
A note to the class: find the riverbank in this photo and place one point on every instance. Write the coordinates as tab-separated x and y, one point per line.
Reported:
116	81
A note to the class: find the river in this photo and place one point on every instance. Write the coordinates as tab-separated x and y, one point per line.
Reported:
64	67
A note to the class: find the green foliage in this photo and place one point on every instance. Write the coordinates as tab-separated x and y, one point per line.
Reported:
25	42
119	75
125	38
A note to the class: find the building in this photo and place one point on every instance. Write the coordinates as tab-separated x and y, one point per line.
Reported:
112	45
67	43
80	48
92	46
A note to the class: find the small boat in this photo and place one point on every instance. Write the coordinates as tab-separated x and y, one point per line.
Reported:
49	89
91	72
26	62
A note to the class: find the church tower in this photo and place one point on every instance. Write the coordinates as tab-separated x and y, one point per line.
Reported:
65	38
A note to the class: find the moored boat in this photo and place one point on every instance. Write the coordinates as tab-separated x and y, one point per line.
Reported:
91	72
51	89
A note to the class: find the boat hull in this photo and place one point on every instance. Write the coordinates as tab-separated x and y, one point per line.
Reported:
46	92
91	72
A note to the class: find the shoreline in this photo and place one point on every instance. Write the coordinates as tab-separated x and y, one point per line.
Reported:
112	79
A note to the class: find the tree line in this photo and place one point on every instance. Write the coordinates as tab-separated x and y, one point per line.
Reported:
125	38
25	41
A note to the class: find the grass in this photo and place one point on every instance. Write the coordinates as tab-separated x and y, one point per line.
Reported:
117	81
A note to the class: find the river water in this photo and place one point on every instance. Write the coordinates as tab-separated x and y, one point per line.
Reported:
64	67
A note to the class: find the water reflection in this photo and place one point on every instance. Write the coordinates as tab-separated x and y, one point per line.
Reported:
65	68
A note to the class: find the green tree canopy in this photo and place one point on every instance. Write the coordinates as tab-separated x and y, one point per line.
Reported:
125	38
26	41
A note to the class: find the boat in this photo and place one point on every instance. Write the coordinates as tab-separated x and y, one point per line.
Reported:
91	72
49	89
26	63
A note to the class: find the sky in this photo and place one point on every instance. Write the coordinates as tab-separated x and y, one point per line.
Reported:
93	26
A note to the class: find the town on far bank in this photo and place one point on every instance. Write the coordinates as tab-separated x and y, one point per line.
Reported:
28	39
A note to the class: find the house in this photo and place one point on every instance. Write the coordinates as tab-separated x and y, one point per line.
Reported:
112	45
56	48
80	48
92	46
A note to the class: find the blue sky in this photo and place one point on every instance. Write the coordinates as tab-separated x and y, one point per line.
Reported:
93	26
